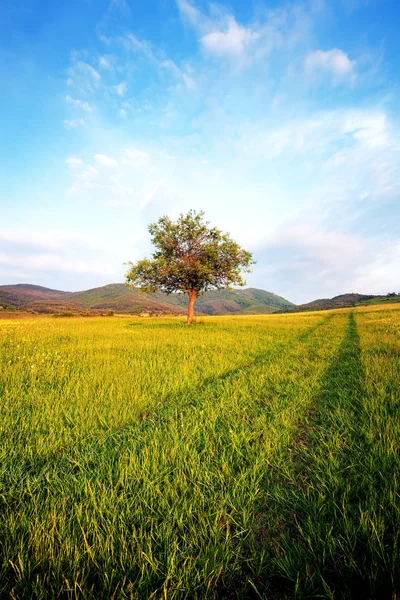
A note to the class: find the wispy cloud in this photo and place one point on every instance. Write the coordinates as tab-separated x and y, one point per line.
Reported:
222	36
105	161
82	75
120	5
67	260
121	88
74	123
135	155
307	261
78	103
104	63
325	134
90	173
334	63
74	163
132	43
84	69
234	41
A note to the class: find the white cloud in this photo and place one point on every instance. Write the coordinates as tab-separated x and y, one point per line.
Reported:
120	5
82	68
121	88
307	261
383	273
74	123
222	36
131	42
328	247
104	63
85	177
320	134
333	62
78	103
232	42
369	128
51	240
82	76
85	186
156	195
136	155
89	174
74	163
121	190
50	262
190	13
178	73
105	161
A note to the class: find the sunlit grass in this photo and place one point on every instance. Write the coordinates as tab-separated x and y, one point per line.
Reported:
240	457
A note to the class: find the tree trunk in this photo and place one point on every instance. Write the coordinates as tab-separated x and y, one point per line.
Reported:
192	297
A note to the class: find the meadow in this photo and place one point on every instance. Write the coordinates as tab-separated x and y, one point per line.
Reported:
241	457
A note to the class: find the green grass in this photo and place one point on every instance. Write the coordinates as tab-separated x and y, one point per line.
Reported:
243	457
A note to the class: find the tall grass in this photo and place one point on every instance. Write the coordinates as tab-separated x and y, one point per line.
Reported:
243	457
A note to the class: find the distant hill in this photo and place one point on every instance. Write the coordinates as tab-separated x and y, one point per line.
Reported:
342	301
23	293
34	297
121	299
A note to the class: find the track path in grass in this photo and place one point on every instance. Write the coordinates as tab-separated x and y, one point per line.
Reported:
341	508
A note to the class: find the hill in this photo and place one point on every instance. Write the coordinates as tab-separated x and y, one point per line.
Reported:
24	293
117	297
25	296
121	299
343	301
248	301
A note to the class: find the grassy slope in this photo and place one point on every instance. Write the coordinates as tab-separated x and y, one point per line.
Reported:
381	300
246	457
246	301
23	294
118	297
122	299
343	301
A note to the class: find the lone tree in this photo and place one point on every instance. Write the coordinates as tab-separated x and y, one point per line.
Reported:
190	257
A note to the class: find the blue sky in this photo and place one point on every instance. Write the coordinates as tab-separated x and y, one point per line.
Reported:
279	119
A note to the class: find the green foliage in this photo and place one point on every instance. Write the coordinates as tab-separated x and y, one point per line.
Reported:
190	256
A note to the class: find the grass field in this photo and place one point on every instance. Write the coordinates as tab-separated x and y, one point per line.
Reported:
242	457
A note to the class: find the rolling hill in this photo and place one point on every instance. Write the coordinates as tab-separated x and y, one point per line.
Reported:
121	299
342	301
35	298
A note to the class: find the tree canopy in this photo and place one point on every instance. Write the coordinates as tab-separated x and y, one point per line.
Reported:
191	257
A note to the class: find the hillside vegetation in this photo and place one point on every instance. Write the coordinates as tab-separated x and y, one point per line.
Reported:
244	457
343	301
124	300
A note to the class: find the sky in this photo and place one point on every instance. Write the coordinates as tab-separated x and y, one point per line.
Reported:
280	120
